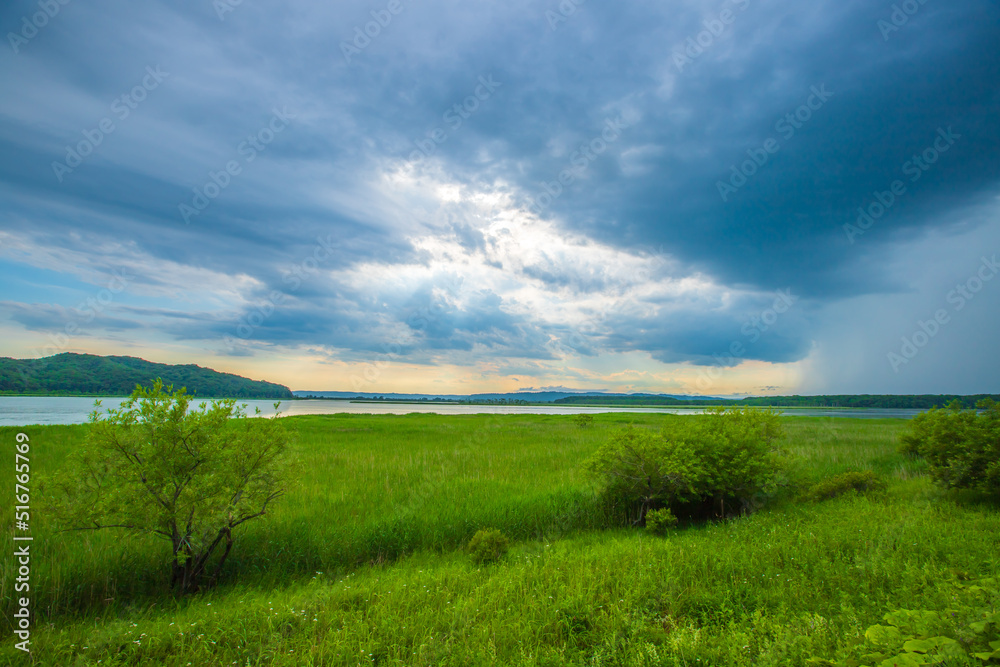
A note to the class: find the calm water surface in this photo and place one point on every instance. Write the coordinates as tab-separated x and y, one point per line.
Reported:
28	410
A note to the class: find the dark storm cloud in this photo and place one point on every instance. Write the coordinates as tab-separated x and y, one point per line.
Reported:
51	317
873	98
785	224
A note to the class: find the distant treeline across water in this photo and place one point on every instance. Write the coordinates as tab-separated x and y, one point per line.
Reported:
913	402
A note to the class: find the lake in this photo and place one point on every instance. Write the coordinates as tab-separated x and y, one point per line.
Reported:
28	410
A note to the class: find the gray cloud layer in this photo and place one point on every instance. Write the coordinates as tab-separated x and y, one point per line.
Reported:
500	100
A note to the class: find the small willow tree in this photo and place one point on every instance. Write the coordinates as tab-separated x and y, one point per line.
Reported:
189	476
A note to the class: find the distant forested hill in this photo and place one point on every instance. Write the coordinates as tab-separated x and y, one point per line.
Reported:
88	374
636	399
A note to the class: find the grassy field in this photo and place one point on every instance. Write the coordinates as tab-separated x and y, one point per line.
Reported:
362	562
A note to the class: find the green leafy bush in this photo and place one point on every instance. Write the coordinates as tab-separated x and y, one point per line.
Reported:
488	546
722	462
660	521
583	419
970	627
962	447
838	484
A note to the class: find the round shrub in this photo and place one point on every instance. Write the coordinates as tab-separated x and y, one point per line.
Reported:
658	522
717	464
962	447
488	546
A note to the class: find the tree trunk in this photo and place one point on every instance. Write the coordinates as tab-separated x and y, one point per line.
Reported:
189	569
642	512
185	573
225	555
183	578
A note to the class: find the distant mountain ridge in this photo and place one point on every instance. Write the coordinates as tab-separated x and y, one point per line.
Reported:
87	374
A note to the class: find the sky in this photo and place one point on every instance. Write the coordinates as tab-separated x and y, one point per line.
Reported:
713	198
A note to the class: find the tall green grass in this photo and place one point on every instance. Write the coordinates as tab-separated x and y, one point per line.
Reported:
369	489
361	562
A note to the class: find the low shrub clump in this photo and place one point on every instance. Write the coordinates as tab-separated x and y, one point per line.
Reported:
970	628
832	487
488	546
962	447
658	522
718	464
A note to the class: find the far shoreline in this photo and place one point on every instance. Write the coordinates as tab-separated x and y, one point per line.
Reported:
484	403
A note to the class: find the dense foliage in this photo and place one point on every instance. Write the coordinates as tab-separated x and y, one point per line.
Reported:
88	374
190	477
722	462
659	522
970	627
962	447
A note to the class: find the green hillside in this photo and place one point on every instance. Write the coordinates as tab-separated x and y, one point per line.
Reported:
91	375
